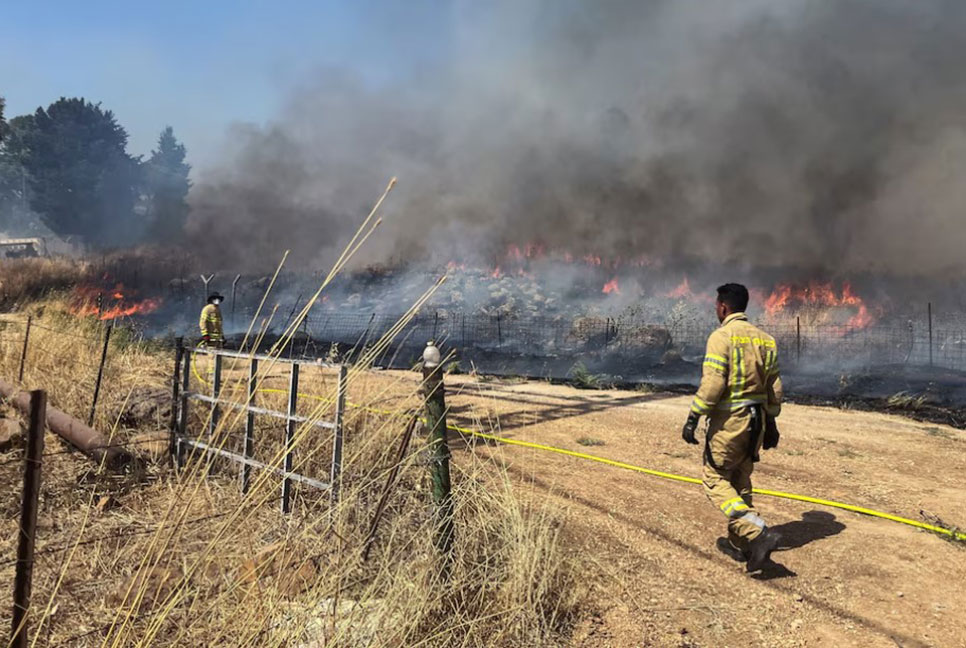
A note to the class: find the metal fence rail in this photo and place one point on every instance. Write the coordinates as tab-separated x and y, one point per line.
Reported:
181	440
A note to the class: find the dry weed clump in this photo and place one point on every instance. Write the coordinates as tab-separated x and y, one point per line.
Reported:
182	558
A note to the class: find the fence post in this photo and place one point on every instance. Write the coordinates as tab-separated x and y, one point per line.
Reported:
215	394
234	287
798	338
100	374
215	409
929	316
23	352
335	475
249	448
206	281
499	330
183	410
290	427
175	396
438	448
28	519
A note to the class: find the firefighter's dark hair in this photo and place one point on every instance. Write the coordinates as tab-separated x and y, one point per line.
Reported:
734	296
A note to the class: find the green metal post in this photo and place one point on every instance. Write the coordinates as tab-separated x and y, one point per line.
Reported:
438	448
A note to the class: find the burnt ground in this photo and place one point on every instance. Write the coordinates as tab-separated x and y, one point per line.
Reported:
646	545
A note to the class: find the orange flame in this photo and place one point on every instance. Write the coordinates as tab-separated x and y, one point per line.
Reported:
819	294
142	307
682	291
86	298
611	287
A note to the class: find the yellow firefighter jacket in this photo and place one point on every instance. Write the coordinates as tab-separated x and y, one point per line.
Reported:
210	323
740	370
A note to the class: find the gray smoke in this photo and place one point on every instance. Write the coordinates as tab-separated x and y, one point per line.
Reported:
829	137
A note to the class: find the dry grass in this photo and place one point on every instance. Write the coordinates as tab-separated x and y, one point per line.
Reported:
26	280
167	558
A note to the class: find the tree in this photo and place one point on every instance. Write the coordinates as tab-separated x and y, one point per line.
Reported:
81	180
13	175
3	124
166	187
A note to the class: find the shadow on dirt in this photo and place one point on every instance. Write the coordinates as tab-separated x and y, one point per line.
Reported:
773	571
814	525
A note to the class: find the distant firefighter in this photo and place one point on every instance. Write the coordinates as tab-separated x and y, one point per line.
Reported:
741	394
212	333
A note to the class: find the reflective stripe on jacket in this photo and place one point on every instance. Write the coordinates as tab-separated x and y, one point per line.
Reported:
740	369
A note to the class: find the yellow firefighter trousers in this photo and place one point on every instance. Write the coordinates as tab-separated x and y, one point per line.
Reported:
729	485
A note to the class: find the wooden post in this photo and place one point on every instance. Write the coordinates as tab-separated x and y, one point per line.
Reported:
28	519
435	323
798	338
290	427
249	449
499	330
23	352
175	396
438	448
929	316
100	374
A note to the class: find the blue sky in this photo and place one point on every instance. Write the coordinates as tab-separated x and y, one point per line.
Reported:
199	66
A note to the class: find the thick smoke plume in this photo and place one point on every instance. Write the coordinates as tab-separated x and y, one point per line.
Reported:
827	137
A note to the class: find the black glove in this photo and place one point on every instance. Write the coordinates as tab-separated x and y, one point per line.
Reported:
771	434
689	429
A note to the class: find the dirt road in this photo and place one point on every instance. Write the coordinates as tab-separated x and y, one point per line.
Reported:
843	579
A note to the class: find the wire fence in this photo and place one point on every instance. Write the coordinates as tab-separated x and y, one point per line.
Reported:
27	358
550	346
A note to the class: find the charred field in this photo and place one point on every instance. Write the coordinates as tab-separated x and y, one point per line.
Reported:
891	344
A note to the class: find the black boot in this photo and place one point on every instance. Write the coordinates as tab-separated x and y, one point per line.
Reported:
724	546
759	550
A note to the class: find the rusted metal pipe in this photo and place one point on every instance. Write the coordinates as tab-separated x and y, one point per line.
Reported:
89	441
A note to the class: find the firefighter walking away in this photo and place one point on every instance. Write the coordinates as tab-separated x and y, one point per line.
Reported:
212	332
741	395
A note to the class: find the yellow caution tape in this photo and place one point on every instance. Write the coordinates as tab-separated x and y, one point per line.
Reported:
952	533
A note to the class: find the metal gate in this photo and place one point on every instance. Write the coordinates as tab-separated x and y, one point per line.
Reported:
182	440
